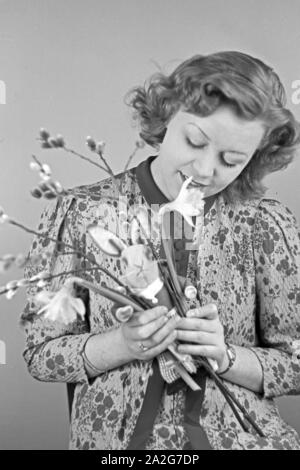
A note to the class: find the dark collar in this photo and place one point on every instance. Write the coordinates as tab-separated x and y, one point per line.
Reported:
151	191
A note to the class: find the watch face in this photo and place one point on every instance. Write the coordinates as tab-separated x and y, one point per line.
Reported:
231	353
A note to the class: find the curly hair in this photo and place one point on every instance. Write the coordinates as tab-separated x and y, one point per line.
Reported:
200	85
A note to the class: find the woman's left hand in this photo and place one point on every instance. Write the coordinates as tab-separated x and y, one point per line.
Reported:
202	334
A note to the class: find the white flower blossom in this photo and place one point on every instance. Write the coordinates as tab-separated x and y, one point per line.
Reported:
34	166
23	282
61	306
46	169
11	285
39	276
45	177
4	218
188	203
100	146
41	283
10	293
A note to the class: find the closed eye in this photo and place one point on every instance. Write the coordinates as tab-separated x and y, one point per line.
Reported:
195	146
201	146
230	165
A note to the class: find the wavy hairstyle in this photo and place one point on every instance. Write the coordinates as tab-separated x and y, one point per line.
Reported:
200	85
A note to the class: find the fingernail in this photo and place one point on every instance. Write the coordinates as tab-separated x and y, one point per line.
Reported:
172	313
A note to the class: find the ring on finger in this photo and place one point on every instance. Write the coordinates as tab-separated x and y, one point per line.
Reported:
142	347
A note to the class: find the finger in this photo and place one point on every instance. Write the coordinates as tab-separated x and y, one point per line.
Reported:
144	332
155	332
200	337
196	324
209	311
147	316
163	332
156	350
199	350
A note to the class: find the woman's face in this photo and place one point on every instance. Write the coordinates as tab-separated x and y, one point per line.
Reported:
213	149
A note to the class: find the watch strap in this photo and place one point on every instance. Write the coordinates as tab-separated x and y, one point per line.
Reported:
231	354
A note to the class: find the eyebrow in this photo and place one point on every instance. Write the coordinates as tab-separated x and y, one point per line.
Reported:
230	151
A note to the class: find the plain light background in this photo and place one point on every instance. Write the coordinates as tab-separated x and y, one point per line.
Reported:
67	65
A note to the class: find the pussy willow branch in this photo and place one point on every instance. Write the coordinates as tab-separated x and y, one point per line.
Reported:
130	158
105	168
49	278
83	157
67	245
108	168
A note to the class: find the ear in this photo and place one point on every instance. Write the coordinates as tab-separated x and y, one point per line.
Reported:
106	240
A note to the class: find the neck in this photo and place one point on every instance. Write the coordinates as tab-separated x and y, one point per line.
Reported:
156	172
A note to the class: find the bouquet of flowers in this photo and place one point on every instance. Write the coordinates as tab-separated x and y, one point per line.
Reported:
146	280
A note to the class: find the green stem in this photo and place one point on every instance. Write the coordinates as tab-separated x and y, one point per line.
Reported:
110	294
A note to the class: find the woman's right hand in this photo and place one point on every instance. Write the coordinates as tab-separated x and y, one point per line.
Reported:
153	329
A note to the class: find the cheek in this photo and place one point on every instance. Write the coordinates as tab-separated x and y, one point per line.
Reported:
175	155
227	176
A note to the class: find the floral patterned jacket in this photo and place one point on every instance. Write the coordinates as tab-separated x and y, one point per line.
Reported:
248	265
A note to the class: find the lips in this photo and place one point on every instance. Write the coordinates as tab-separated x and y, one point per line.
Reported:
193	183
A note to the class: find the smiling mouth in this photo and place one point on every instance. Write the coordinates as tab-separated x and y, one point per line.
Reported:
193	182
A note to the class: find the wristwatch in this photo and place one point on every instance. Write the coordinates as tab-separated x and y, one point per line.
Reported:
231	354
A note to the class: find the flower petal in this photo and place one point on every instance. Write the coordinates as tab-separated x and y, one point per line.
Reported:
79	306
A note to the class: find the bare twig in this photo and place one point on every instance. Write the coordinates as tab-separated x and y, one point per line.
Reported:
87	159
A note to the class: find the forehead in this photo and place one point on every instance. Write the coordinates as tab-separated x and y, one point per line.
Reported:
223	127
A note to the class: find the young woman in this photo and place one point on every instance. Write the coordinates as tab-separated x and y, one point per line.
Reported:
220	118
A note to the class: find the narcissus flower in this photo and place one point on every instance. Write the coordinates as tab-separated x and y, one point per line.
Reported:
61	306
188	203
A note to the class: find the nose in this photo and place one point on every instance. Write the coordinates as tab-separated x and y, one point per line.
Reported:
204	167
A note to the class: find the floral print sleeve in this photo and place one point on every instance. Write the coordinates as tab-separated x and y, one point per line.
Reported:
53	349
276	252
